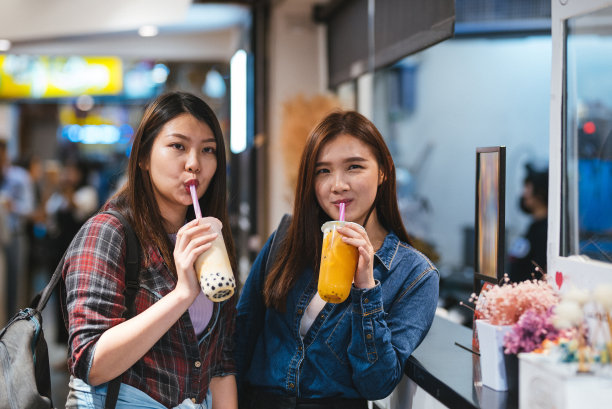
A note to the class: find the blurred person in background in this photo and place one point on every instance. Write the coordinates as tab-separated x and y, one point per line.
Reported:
4	239
67	209
531	246
17	198
35	222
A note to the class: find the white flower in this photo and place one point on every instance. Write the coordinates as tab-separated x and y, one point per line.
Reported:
577	295
568	314
603	295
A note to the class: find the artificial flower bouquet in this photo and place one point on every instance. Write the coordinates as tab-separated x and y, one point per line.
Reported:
526	307
512	318
574	372
586	319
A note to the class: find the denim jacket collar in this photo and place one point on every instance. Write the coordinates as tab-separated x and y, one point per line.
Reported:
386	253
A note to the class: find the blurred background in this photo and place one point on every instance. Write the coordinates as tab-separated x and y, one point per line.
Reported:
438	79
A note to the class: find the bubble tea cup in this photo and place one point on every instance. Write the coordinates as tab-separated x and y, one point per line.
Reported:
213	267
338	264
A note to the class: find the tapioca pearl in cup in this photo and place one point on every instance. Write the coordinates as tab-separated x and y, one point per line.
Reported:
222	294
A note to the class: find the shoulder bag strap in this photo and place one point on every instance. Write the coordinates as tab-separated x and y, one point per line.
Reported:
131	282
40	300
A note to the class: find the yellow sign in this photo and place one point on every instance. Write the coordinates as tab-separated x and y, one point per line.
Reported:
23	76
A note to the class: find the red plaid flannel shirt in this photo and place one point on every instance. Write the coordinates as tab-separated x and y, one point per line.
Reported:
179	366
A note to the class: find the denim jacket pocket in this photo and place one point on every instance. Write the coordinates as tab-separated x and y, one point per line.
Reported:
340	337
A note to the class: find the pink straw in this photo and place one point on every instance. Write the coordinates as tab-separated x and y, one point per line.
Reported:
196	203
342	205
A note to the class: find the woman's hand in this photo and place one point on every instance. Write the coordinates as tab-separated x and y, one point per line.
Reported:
357	237
192	239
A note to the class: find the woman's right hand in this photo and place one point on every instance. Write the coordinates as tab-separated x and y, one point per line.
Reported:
193	239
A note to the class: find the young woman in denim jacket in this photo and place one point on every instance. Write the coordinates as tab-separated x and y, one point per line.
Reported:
177	346
292	348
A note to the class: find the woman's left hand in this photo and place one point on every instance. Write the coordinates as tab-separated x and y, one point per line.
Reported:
357	237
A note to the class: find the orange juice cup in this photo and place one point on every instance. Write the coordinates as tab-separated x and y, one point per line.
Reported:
338	264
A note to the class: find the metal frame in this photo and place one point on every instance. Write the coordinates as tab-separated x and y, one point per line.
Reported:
501	224
575	269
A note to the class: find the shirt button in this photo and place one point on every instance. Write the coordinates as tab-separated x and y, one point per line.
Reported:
365	301
369	336
291	386
300	348
322	316
198	364
300	311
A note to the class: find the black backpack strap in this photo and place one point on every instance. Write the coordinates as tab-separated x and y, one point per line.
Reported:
131	286
281	232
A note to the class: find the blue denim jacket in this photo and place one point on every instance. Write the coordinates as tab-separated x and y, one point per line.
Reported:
356	349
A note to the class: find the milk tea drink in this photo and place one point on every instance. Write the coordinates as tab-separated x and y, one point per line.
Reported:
214	269
338	264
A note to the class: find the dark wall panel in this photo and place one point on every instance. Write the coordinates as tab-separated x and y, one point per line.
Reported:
357	43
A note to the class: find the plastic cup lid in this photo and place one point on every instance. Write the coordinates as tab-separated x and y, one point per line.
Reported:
328	226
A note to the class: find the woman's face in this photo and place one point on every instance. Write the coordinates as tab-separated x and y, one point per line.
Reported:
183	151
347	171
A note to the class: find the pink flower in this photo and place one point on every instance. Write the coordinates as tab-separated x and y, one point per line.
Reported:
504	304
532	328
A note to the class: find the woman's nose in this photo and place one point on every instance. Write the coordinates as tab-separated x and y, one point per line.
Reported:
339	184
192	165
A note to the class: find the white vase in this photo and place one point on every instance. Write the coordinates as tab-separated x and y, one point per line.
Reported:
491	342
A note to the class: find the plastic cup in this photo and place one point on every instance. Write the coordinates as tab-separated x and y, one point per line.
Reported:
338	264
214	269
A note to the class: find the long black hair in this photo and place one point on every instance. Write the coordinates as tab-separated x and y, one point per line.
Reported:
136	198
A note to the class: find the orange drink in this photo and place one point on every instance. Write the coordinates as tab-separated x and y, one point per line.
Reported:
338	264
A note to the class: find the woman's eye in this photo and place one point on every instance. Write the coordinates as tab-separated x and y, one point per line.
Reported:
320	171
355	167
177	146
209	149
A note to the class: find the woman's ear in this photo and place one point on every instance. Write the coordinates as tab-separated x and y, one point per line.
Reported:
381	177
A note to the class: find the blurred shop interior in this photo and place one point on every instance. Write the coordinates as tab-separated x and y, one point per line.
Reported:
438	81
73	84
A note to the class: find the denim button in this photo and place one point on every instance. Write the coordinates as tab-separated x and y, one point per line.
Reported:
369	336
365	301
291	386
198	364
299	311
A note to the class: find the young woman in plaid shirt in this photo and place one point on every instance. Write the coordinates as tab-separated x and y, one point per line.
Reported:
176	350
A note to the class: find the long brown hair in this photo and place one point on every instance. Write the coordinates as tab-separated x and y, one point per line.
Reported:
136	199
304	231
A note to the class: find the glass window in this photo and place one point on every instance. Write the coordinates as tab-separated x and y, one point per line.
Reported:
586	227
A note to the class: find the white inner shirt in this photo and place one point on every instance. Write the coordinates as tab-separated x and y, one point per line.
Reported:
314	308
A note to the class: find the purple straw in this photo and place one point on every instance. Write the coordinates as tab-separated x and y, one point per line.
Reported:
342	205
196	203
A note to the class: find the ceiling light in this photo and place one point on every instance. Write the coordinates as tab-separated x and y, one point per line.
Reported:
238	102
214	85
148	31
5	45
85	102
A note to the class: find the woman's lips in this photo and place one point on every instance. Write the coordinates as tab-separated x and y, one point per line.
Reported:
191	182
